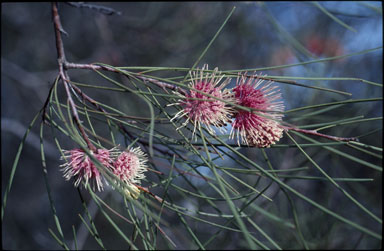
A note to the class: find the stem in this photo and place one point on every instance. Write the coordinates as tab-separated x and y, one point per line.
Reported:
63	73
313	132
64	65
163	85
175	88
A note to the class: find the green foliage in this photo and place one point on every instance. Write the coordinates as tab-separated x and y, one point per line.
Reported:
214	191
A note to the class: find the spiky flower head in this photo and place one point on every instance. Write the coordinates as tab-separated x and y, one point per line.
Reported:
201	109
262	127
80	166
129	167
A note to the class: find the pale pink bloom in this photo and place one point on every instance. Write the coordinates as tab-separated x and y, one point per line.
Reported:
262	127
199	108
80	166
129	167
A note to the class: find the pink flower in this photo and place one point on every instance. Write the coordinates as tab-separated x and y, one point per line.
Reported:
80	166
130	166
262	127
201	109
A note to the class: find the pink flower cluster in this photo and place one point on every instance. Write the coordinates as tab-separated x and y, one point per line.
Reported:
129	166
253	109
260	128
202	109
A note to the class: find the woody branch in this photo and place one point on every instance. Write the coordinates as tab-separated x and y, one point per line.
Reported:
64	65
63	72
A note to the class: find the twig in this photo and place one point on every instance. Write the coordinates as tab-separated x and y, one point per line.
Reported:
161	84
175	88
102	9
64	65
63	73
44	114
313	132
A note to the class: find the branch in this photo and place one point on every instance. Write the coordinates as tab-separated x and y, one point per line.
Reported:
313	132
175	88
64	65
163	85
63	73
102	9
58	29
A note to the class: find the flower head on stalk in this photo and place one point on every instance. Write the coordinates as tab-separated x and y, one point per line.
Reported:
129	167
262	127
199	108
80	166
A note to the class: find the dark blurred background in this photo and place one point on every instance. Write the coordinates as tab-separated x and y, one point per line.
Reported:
173	34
